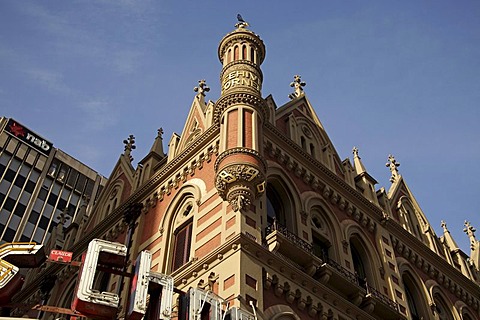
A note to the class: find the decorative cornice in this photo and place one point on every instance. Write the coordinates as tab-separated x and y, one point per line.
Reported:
239	98
233	151
427	261
328	189
329	193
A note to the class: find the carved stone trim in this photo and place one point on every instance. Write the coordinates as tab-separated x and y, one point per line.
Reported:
239	98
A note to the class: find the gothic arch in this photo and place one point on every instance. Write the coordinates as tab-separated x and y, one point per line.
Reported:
322	221
463	312
417	296
112	198
443	308
282	199
410	219
364	254
178	225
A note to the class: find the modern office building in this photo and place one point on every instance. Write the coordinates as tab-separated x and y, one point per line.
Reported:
37	183
254	215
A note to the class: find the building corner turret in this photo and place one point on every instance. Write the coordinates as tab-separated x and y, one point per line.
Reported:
241	112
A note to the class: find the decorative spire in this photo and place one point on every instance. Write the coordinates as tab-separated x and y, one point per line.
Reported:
202	88
129	146
470	231
393	165
450	242
298	84
241	23
157	146
357	162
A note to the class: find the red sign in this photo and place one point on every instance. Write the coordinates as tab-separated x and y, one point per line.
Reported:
60	256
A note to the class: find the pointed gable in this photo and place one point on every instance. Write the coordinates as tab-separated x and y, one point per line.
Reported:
119	187
196	122
298	121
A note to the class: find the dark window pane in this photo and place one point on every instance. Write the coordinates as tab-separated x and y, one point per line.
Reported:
72	177
24	239
71	209
52	199
2	169
2	227
9	175
2	196
81	183
43	194
183	239
89	188
30	186
62	204
43	223
9	204
9	234
20	181
34	217
20	210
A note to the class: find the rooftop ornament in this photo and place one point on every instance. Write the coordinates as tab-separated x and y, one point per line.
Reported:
298	84
443	224
129	146
470	231
202	88
242	24
393	165
160	133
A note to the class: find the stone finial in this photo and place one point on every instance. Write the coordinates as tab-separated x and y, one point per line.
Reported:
298	84
355	151
241	23
443	224
160	133
469	229
393	165
129	146
202	88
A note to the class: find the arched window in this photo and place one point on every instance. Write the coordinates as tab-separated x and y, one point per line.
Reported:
252	55
244	52
361	262
441	308
236	53
412	304
359	266
182	237
322	235
414	296
275	207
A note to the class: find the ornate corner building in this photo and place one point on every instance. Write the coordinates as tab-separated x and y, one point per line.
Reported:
252	205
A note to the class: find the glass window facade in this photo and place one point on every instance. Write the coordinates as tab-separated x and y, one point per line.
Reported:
31	200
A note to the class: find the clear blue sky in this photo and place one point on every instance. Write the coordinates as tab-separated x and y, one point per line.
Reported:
399	77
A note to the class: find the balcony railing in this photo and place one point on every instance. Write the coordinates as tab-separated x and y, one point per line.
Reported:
350	276
290	236
347	274
380	296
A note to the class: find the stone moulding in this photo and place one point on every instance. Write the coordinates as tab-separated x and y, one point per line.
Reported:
238	98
